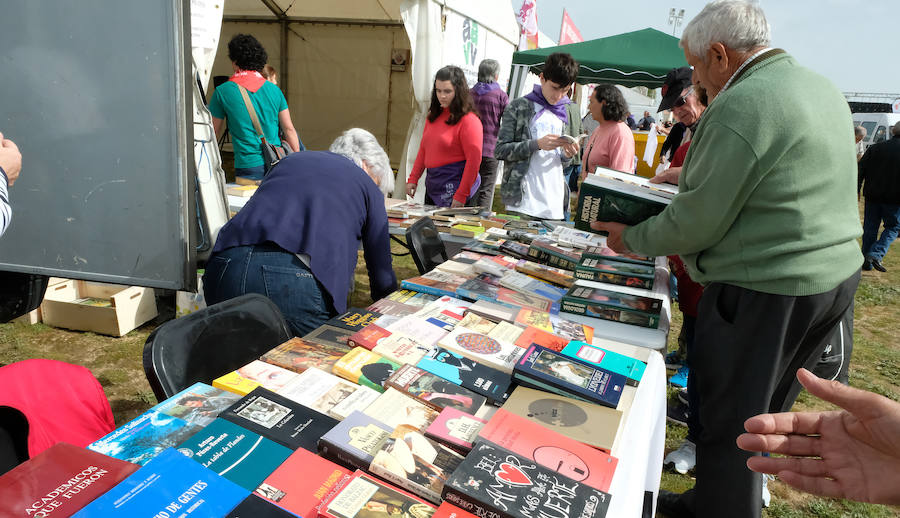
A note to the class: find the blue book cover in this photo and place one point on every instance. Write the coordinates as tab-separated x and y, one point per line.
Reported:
605	359
241	456
169	485
198	404
142	438
478	378
548	369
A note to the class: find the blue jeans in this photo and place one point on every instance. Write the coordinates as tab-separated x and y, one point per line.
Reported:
873	215
275	273
251	173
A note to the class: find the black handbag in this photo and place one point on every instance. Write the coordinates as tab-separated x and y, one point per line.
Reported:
271	154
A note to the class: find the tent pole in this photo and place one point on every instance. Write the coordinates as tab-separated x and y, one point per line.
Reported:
283	59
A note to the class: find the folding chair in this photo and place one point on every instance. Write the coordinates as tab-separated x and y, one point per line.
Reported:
212	342
425	245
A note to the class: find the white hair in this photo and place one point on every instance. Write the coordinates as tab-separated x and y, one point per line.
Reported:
739	25
361	146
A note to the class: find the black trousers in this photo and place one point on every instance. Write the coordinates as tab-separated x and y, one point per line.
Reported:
748	348
485	195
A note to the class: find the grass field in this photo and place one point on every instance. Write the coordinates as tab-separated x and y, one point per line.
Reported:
116	362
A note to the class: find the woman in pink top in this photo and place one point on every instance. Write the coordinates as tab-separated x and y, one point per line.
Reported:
611	144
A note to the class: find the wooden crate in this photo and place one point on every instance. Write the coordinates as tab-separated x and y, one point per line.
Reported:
128	308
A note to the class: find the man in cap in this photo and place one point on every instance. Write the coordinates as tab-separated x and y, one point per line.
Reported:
767	220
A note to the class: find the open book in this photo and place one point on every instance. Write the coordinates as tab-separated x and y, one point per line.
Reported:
572	139
609	195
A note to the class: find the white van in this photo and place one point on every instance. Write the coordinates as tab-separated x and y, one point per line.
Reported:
878	126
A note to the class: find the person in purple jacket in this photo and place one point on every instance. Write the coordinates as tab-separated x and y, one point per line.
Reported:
490	101
296	239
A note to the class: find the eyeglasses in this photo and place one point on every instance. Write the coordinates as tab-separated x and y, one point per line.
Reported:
683	99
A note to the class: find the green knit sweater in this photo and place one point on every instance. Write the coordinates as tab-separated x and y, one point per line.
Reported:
767	195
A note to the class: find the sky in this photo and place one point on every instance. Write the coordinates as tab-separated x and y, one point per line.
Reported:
852	43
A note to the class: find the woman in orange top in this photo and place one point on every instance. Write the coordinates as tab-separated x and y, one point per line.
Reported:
451	143
611	144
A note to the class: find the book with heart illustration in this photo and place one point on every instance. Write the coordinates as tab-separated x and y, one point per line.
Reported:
496	482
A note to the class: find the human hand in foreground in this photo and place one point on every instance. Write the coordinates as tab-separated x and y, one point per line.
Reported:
670	175
454	204
10	159
852	453
549	141
410	189
614	239
569	148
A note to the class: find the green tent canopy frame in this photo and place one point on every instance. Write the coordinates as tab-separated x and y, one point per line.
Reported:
637	58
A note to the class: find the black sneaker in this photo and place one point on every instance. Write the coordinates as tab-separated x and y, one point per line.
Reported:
672	505
677	413
877	265
674	361
682	396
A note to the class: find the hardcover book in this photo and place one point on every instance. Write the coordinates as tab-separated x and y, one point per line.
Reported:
482	348
366	368
455	429
255	374
241	456
323	391
592	424
415	463
298	355
367	497
514	249
566	456
256	507
59	481
354	319
142	438
354	441
280	419
169	485
492	481
603	198
550	370
552	254
606	359
329	335
470	374
301	482
435	391
616	303
615	272
394	408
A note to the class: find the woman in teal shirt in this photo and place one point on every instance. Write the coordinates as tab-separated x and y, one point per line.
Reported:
248	57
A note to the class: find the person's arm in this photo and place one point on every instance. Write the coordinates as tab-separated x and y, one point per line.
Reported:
508	147
10	165
418	166
287	127
217	126
852	453
471	138
377	245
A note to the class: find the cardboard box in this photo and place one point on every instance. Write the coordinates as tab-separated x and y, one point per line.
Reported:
107	309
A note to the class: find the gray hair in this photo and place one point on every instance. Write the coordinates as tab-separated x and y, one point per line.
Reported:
488	70
361	146
859	131
895	131
737	24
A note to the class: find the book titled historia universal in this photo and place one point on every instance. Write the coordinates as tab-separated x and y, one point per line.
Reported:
608	195
495	482
415	463
616	272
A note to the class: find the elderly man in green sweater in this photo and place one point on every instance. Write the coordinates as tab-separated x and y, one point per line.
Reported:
766	218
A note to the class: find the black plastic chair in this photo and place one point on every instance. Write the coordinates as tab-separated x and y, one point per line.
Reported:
425	245
13	438
20	293
212	342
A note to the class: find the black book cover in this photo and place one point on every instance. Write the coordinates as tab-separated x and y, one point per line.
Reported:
494	482
280	419
354	319
490	383
256	507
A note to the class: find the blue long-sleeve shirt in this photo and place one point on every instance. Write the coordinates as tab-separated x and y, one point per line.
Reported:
320	204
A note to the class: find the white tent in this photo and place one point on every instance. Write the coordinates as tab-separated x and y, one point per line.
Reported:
343	63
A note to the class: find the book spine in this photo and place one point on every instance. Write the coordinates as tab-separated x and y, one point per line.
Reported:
335	454
471	505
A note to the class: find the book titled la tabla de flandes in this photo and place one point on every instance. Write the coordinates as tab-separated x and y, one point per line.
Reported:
280	419
415	463
548	370
434	390
364	496
455	429
609	195
495	482
616	303
550	449
302	482
490	383
169	485
59	481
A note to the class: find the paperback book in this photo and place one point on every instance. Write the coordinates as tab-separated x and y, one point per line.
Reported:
481	348
538	319
546	369
615	272
604	198
495	311
525	300
368	336
606	359
413	462
571	330
255	374
411	298
531	286
365	368
354	441
142	438
419	329
367	497
402	349
535	336
354	319
478	378
394	408
506	332
329	335
435	391
493	481
448	510
197	405
323	392
298	355
301	482
434	282
477	323
455	429
616	303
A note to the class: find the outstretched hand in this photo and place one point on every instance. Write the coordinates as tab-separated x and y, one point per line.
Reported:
614	239
10	159
670	175
852	453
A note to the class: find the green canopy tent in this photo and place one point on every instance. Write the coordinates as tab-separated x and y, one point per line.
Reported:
638	58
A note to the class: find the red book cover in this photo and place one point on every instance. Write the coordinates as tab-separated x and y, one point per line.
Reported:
59	481
302	481
448	510
368	336
365	496
533	335
552	450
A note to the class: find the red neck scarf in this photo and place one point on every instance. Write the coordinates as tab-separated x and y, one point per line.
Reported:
249	79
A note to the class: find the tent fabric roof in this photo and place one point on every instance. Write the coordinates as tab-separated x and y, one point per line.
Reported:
637	58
